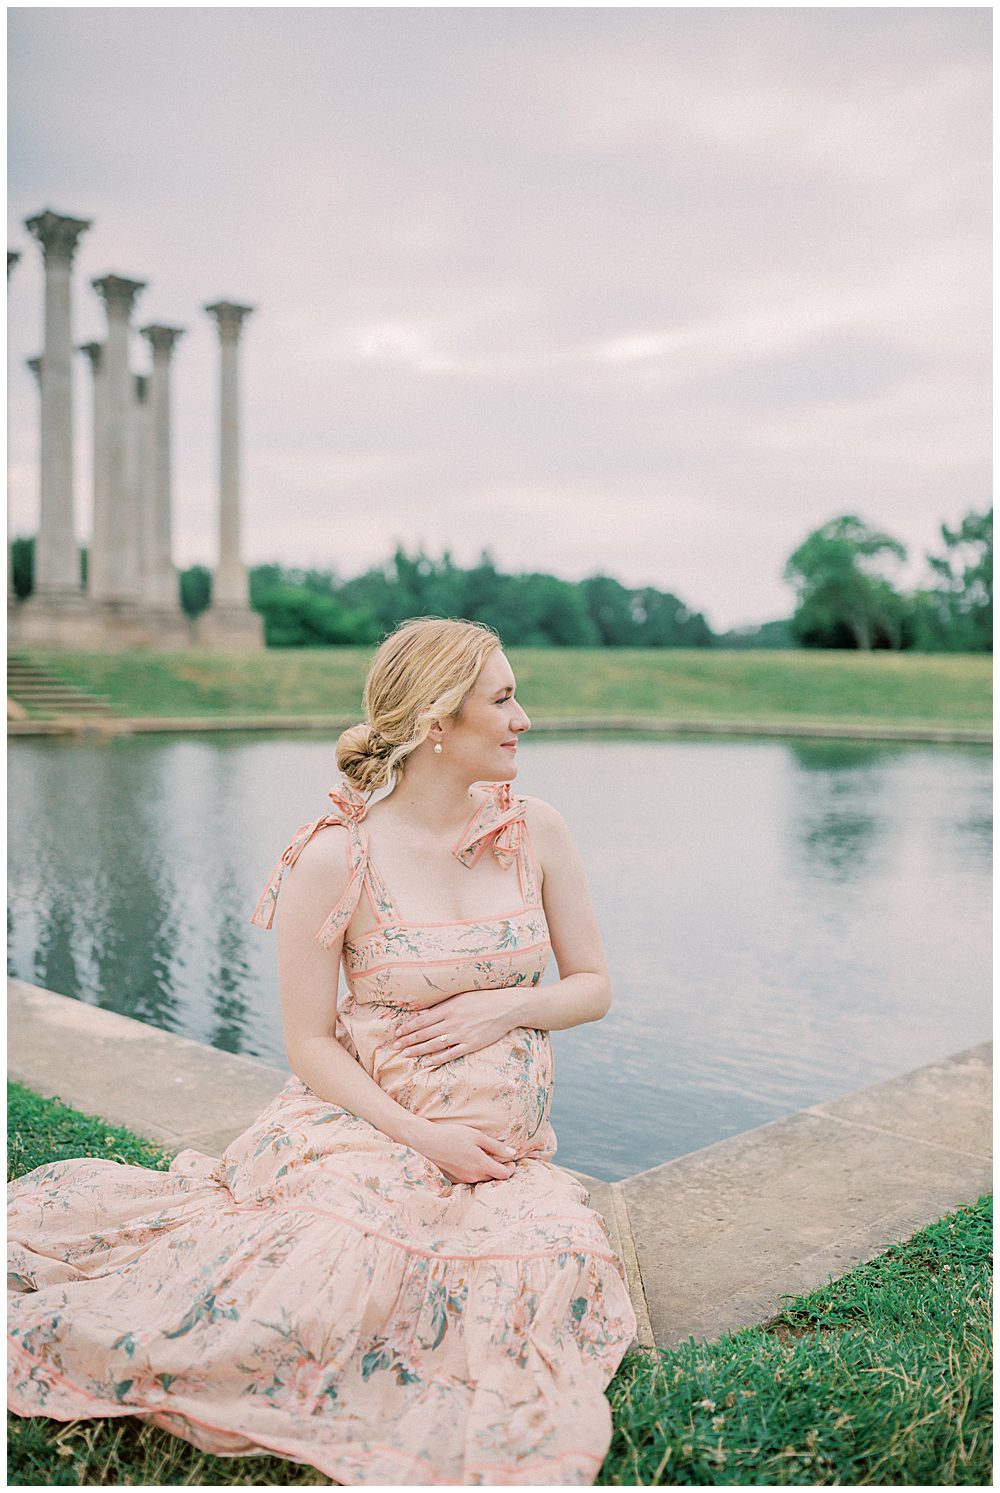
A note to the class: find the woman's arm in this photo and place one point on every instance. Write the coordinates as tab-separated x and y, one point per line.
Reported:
475	1018
583	991
308	974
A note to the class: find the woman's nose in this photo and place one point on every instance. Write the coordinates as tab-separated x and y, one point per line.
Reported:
521	721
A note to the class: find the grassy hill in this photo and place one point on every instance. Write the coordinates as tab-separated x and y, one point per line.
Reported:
739	685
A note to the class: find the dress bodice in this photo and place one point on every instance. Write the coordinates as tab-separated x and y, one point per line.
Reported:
400	966
497	822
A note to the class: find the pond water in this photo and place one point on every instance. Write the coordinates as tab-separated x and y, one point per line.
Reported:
785	921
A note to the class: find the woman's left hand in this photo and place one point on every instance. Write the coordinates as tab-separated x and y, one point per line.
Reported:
454	1027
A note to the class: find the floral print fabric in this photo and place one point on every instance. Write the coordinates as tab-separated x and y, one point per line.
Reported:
323	1292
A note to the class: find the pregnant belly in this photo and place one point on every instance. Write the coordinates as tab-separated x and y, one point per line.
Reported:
504	1089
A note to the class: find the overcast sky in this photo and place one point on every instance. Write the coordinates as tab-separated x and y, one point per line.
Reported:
651	292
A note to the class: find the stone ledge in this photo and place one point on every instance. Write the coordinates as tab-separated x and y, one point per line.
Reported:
723	1233
710	1241
638	725
169	1088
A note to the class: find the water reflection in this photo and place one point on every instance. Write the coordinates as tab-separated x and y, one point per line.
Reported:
784	921
228	977
838	826
54	965
821	756
102	896
836	818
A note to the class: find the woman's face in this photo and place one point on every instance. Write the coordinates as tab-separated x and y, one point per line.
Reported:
483	739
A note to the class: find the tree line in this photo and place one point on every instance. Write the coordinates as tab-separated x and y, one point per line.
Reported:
841	572
304	607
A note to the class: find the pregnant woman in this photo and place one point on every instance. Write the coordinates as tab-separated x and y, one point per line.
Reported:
386	1276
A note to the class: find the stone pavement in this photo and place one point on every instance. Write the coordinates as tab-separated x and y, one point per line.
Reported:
722	1233
710	1241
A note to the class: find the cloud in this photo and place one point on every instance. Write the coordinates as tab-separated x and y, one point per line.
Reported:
651	291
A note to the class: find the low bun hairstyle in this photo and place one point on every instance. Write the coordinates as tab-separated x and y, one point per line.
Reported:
422	672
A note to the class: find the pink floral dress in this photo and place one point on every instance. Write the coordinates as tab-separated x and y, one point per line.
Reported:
323	1292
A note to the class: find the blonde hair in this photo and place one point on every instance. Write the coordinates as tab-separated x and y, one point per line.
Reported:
422	672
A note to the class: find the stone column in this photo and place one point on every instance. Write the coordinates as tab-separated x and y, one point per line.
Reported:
163	580
123	584
57	561
12	257
229	583
34	367
101	539
137	472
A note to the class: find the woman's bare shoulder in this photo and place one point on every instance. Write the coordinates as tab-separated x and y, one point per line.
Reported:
323	858
543	819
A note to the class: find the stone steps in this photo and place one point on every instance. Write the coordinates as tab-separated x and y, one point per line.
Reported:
33	688
40	692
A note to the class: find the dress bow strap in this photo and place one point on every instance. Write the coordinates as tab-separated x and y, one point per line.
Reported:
350	809
351	805
499	820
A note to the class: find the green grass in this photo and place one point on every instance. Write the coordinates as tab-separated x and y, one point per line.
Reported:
881	1377
43	1130
765	686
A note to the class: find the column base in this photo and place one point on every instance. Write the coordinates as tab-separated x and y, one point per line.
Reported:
57	619
230	629
58	601
88	626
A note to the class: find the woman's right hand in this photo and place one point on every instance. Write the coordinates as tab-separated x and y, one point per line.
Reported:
464	1153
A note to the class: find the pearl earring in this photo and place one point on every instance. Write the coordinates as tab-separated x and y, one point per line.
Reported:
438	747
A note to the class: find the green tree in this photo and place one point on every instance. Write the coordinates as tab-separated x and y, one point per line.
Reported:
22	564
375	592
425	587
609	606
550	613
22	560
665	622
957	613
262	579
296	617
196	589
535	610
843	599
484	592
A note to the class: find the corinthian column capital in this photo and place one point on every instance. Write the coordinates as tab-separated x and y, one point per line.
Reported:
162	339
94	351
57	235
13	255
229	318
35	365
118	293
